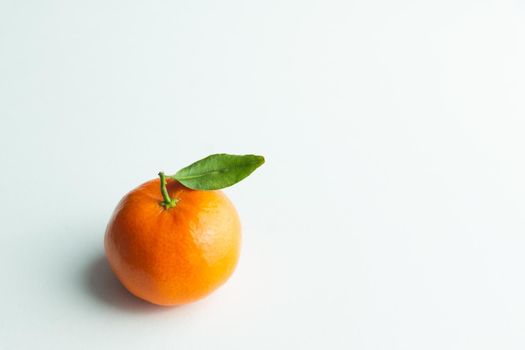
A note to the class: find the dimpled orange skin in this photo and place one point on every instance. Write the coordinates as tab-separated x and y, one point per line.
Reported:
173	256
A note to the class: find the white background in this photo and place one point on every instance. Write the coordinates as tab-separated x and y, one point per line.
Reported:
389	214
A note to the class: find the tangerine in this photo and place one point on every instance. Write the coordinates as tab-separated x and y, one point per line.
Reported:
173	252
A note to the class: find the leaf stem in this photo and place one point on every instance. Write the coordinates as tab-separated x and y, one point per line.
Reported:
167	202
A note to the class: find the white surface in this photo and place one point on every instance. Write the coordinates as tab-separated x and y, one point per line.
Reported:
389	215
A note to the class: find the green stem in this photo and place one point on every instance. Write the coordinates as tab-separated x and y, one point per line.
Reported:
167	202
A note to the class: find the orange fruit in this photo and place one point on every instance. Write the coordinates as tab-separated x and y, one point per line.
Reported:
173	255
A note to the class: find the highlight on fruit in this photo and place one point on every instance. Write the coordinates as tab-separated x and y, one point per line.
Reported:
175	239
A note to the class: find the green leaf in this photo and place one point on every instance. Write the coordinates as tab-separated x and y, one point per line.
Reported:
218	171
